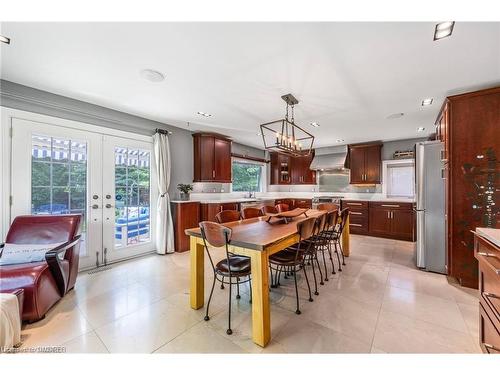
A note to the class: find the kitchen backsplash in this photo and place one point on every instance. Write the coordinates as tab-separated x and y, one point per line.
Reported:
338	181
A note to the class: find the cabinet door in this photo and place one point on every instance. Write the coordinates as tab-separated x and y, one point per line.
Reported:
284	165
372	165
309	175
206	158
380	221
297	169
222	160
275	169
357	164
402	224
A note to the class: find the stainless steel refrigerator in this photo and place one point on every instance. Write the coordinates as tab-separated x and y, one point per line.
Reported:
430	194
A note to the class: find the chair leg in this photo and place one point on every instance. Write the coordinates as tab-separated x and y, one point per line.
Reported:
229	330
331	259
342	253
250	286
272	278
324	264
296	292
222	283
338	257
314	274
209	299
238	288
308	286
319	269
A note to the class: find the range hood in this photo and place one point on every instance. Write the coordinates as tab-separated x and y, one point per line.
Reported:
328	162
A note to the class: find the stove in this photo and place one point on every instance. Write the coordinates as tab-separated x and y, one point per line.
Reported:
326	199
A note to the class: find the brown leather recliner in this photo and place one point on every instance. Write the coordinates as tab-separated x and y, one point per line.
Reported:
44	283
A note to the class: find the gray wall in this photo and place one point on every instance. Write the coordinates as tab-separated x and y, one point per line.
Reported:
248	150
25	98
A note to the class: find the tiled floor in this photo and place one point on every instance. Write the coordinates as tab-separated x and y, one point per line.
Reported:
378	304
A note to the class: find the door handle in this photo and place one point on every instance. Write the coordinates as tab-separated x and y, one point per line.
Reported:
108	205
95	206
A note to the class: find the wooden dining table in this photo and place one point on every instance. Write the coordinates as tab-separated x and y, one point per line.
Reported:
257	239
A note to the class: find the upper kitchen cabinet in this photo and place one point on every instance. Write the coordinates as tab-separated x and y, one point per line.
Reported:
286	169
212	158
365	161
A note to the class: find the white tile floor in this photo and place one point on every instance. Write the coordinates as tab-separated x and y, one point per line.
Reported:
378	304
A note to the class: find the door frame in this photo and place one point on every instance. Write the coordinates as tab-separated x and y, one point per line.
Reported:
6	116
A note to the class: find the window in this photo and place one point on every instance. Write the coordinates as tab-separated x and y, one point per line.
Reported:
400	180
247	176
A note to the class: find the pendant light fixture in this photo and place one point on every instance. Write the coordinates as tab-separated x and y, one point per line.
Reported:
284	135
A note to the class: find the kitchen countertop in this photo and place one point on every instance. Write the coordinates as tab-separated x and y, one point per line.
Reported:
491	234
305	196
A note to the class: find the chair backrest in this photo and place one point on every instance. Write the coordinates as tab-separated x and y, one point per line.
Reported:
320	223
331	219
269	210
282	207
250	212
227	215
305	228
48	229
229	206
328	207
344	214
215	234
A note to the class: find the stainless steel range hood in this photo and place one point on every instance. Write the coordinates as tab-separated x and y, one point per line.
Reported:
328	162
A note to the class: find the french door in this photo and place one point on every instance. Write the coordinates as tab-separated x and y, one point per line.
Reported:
107	179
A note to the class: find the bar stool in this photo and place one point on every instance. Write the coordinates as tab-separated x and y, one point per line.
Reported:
233	266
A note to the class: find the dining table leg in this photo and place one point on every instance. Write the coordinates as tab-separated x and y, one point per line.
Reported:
261	314
197	289
345	239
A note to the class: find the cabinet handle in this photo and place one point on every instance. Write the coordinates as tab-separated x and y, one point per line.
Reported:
355	225
355	204
213	173
392	214
390	205
488	255
388	214
356	213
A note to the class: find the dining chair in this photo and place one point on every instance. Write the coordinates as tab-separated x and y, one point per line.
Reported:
251	212
328	207
233	267
282	207
337	235
292	258
227	215
312	257
269	210
229	206
324	241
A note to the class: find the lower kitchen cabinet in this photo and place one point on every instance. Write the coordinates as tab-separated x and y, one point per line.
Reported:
209	210
185	215
394	220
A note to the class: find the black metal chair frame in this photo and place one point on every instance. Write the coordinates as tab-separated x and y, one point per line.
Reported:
218	274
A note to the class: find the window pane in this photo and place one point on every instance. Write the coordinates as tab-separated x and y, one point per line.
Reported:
246	177
60	174
60	150
40	200
40	174
401	180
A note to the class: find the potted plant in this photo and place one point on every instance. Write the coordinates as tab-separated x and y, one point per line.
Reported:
185	189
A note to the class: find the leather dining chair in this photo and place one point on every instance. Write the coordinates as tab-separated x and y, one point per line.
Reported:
229	270
291	259
251	212
328	207
282	207
227	215
269	210
46	282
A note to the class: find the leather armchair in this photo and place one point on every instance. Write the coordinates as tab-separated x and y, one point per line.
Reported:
44	283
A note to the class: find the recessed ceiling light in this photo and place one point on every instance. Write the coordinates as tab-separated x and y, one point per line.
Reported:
443	30
152	75
427	102
4	39
315	124
396	115
339	140
420	129
204	114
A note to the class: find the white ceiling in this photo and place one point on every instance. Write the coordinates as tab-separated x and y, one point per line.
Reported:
348	76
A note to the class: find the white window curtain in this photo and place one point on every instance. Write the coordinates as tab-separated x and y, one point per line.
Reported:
164	225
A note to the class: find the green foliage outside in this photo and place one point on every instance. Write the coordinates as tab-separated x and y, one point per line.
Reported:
246	177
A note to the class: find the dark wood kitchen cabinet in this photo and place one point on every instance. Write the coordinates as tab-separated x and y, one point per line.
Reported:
185	215
365	163
212	158
392	220
469	127
286	169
